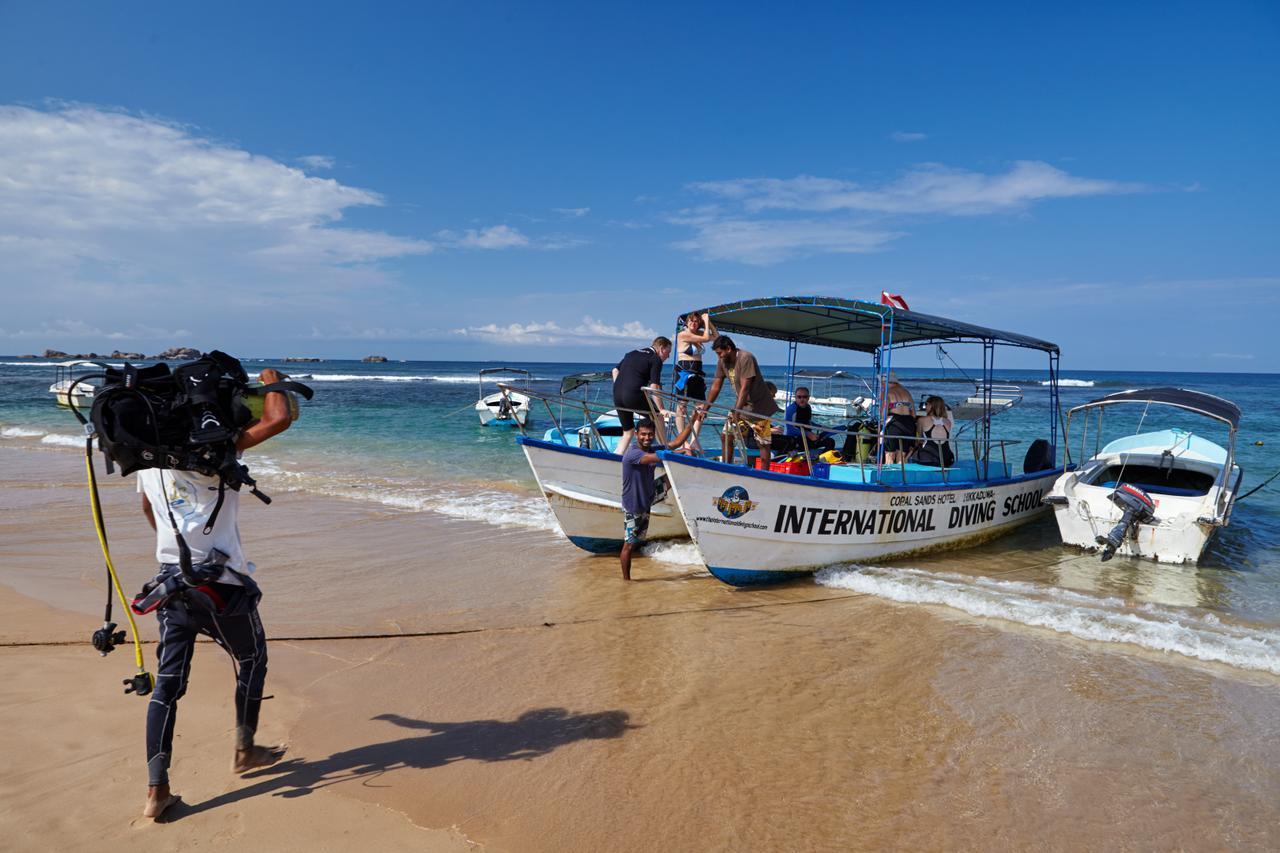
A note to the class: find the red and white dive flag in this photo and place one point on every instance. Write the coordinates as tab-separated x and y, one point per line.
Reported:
893	300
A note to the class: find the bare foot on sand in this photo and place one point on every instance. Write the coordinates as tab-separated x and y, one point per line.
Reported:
158	799
255	757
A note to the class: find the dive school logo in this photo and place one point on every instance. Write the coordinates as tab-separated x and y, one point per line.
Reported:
734	503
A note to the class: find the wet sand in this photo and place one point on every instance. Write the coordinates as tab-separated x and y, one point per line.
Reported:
572	711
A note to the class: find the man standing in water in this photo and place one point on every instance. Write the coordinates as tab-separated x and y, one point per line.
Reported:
639	465
224	609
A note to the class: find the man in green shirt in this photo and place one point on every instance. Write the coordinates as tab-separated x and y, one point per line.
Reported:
752	396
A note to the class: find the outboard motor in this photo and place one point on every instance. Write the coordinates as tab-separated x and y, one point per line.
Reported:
1138	508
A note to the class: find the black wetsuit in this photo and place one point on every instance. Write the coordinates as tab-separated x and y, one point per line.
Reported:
638	369
238	630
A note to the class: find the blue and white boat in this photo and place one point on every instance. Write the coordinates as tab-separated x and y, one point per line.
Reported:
755	526
1161	494
580	474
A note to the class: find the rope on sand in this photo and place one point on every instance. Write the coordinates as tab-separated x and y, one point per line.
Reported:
407	635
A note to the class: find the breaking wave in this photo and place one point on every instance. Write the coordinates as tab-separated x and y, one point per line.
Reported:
56	438
63	440
677	552
390	377
1108	620
57	363
1072	383
491	506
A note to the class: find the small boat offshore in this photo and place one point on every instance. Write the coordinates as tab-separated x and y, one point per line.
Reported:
66	391
754	526
499	408
1160	494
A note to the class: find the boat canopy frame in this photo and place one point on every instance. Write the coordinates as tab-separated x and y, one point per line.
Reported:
879	330
1196	402
487	371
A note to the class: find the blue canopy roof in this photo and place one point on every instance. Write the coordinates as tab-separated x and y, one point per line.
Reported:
853	324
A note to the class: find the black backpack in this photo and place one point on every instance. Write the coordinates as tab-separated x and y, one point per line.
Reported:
186	419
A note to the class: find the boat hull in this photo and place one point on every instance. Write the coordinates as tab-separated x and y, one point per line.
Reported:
1180	543
63	396
1181	532
583	489
758	527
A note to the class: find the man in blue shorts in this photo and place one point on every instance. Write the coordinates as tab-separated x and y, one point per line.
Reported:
638	487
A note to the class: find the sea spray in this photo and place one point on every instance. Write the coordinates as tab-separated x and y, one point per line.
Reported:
1108	620
676	552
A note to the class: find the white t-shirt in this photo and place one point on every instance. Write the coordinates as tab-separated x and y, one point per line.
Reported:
191	497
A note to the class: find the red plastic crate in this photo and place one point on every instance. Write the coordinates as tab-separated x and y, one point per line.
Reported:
798	467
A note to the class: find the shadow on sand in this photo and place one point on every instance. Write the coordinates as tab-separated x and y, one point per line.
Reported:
532	734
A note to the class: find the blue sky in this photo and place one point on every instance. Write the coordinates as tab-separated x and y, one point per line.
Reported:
557	181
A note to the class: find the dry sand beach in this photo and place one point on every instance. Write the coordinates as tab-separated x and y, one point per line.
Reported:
553	707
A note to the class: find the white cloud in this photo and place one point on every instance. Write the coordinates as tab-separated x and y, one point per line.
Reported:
589	332
571	212
150	230
494	237
78	169
505	237
372	333
808	215
80	330
907	136
318	162
763	242
929	188
1234	356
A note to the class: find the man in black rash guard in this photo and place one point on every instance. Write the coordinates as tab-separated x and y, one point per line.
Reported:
638	369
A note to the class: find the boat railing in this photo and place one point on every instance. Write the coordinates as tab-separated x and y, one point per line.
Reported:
728	417
561	408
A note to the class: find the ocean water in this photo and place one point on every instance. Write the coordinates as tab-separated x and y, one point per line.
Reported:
404	435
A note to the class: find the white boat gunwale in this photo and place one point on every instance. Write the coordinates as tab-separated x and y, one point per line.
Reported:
807	480
568	448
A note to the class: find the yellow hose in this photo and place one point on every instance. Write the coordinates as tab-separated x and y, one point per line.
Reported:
111	569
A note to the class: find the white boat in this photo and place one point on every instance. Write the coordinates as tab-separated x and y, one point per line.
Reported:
580	474
66	390
754	526
584	490
63	391
825	397
993	399
1161	494
503	408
